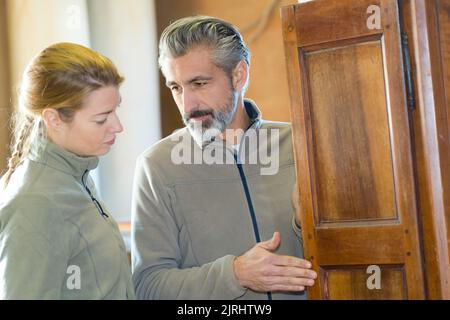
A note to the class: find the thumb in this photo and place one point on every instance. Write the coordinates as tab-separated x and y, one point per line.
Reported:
273	243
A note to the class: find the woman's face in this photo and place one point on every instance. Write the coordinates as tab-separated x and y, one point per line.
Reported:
93	130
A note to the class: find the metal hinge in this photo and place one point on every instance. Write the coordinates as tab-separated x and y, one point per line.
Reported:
411	101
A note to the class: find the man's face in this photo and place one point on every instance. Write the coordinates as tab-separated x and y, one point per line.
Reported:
203	93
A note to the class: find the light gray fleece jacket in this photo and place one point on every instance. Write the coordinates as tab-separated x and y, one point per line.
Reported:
54	241
190	219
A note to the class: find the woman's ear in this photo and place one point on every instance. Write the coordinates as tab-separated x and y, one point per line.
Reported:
240	75
52	119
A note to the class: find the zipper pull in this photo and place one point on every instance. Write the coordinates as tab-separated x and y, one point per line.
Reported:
97	204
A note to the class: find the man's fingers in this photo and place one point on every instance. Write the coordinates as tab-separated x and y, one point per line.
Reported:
281	288
274	283
282	271
290	261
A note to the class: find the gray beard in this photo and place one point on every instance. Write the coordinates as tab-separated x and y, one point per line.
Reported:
205	132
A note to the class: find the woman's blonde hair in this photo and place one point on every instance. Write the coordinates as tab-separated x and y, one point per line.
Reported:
59	77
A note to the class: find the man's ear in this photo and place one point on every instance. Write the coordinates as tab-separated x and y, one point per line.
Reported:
52	119
240	75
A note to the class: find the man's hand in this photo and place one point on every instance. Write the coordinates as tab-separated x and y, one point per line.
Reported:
259	269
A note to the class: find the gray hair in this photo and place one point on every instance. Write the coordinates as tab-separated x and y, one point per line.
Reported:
224	39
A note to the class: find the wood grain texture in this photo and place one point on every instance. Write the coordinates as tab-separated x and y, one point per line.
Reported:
444	30
341	22
301	130
427	23
392	288
350	126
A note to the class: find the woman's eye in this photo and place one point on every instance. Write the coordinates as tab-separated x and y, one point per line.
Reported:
100	122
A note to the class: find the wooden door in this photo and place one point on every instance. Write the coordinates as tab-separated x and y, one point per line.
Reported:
352	147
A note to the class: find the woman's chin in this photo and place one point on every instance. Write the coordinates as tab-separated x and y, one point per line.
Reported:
104	151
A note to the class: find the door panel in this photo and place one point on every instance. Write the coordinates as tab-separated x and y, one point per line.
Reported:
337	282
355	180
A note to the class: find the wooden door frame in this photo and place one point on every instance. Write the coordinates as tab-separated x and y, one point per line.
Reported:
432	112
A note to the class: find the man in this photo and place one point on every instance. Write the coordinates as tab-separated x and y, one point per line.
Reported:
202	209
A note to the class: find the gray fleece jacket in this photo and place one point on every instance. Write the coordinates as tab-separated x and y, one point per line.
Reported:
54	241
192	214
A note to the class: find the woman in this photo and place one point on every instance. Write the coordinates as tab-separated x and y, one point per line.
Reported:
57	240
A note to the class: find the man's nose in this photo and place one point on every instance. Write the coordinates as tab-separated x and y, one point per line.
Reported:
189	101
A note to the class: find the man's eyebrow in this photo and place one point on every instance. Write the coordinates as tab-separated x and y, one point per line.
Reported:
170	83
197	78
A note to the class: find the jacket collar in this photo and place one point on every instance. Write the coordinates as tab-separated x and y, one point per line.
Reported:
253	113
52	155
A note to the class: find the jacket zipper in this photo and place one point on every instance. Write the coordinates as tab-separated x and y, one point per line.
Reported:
250	206
95	201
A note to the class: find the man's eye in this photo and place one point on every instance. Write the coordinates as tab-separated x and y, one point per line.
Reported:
200	84
174	88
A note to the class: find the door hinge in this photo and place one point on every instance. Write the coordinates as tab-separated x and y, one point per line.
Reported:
408	73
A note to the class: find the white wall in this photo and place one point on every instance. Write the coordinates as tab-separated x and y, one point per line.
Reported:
125	31
34	25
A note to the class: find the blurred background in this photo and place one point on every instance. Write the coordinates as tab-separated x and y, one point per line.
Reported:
128	32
